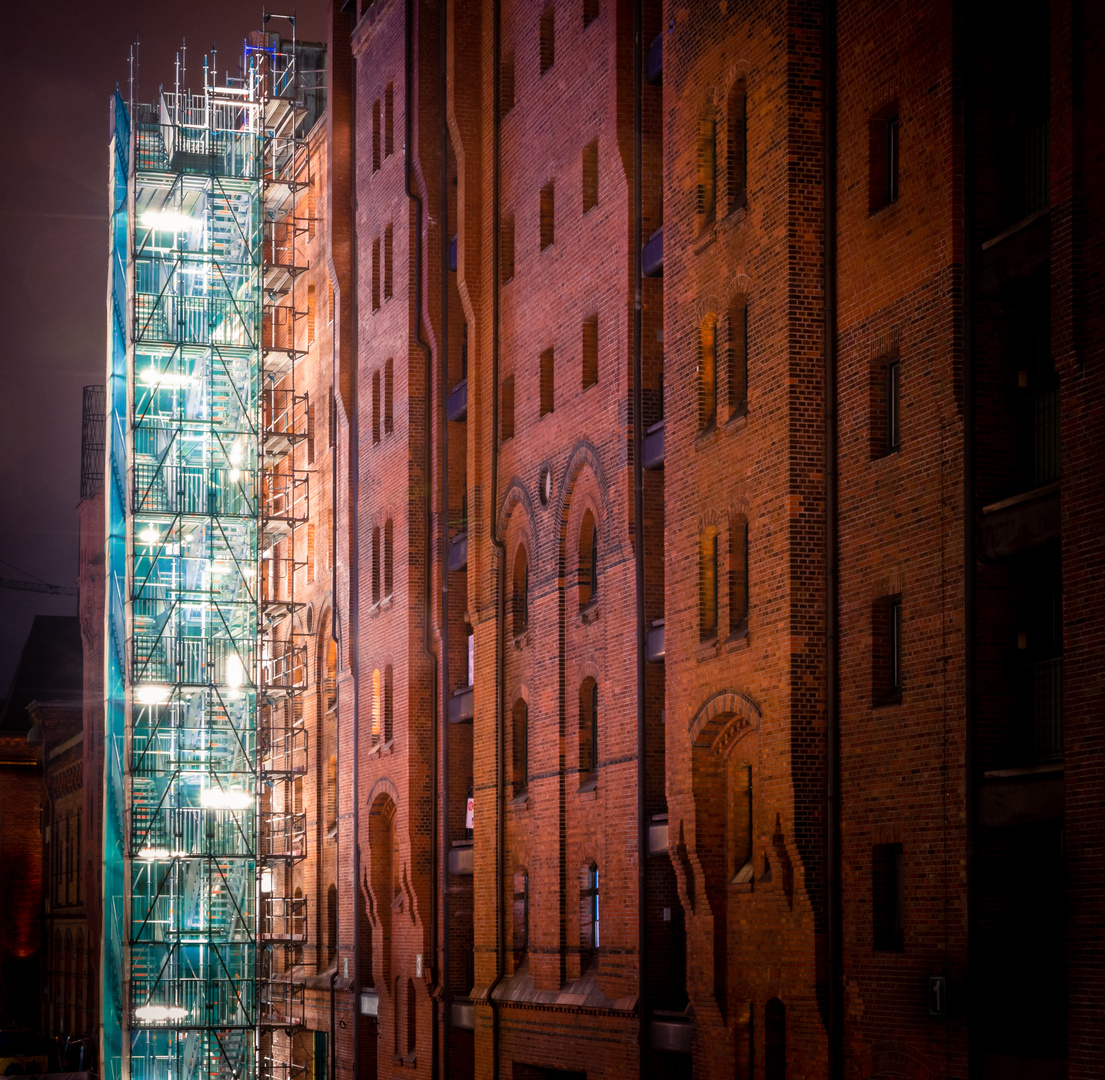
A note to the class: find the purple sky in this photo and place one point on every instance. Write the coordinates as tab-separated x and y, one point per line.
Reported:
61	65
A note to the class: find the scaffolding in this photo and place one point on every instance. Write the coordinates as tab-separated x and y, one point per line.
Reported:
205	741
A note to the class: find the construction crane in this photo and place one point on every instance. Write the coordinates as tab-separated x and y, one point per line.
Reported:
39	586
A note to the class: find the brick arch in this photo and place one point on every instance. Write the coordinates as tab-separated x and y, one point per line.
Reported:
710	517
515	495
722	720
740	288
710	304
739	508
738	70
587	669
584	455
383	786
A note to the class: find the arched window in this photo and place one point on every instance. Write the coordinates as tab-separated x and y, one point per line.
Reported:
383	875
589	912
375	706
707	584
775	1040
330	683
521	591
331	924
389	547
738	574
707	171
588	730
520	729
707	373
738	357
736	152
412	1018
588	560
375	407
389	706
376	566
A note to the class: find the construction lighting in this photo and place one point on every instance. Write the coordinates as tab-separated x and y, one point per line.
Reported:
149	535
236	453
234	673
151	376
155	1013
226	799
266	880
152	853
167	221
152	695
234	474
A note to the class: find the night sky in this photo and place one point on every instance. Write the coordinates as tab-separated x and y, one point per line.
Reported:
62	62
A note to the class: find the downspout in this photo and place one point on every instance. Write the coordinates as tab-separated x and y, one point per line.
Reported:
333	1026
427	464
497	540
443	572
832	595
638	536
970	610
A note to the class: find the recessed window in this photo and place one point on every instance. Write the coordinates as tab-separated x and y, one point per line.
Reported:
547	42
412	1018
887	676
376	135
707	373
707	584
387	263
588	560
590	175
738	358
885	381
389	570
310	433
389	395
546	382
590	351
882	163
739	832
376	566
389	705
506	84
547	216
707	171
389	120
775	1040
375	407
886	887
736	149
506	419
589	937
310	315
376	274
893	399
520	597
588	730
590	12
520	747
738	575
506	248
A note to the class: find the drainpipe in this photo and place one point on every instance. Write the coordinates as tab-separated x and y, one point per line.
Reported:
443	572
497	541
638	535
427	464
333	1027
832	596
970	611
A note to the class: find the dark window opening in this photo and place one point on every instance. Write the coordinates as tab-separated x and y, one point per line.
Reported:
547	216
775	1040
389	120
546	382
590	175
520	915
521	592
887	897
738	575
590	12
588	730
707	585
375	407
376	135
707	172
547	43
387	263
736	151
707	374
389	395
738	359
590	351
893	399
882	159
520	747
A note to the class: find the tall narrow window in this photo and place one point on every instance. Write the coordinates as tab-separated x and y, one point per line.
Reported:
387	263
738	358
886	887
739	832
376	274
521	591
310	552
520	915
389	120
886	651
412	1018
375	407
506	248
520	747
471	665
738	575
389	570
589	912
882	158
310	314
376	566
506	417
547	216
331	924
389	705
546	382
377	711
707	171
332	792
310	433
893	388
588	730
389	395
707	373
896	647
330	301
588	560
590	351
506	83
376	135
590	175
590	12
707	585
547	52
736	148
775	1040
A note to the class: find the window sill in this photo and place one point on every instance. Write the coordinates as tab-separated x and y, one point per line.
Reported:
889	701
707	234
386	602
520	801
739	638
738	417
589	786
707	436
521	640
589	612
707	648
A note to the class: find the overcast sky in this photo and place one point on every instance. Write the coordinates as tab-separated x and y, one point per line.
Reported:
61	64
